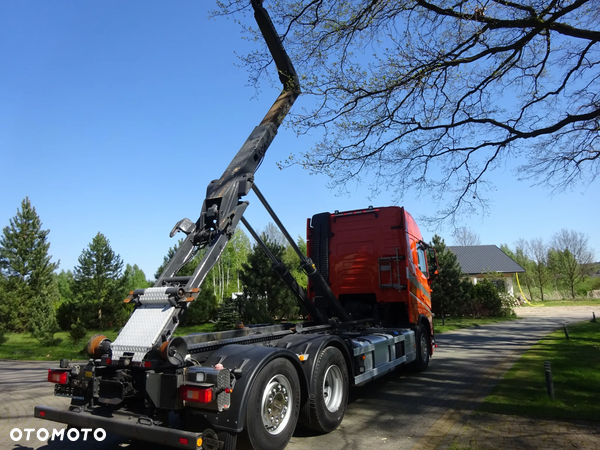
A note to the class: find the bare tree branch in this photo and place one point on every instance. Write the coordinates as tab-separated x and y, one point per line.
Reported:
432	95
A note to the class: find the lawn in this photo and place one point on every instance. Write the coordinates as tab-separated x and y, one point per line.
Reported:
566	302
23	346
576	373
204	328
455	323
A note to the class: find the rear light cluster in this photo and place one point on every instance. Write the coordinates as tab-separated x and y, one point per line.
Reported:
58	376
196	394
207	387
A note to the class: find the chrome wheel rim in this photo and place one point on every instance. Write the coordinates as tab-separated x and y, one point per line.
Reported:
424	349
277	399
333	383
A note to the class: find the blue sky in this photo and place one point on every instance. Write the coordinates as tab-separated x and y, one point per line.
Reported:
114	117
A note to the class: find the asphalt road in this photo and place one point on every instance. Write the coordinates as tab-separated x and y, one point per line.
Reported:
399	411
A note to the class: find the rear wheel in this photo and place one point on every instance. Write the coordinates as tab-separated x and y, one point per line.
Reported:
328	398
273	407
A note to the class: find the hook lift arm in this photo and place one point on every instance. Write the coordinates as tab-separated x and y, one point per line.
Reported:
223	208
159	308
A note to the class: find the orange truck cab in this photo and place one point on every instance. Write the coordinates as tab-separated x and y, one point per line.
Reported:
375	262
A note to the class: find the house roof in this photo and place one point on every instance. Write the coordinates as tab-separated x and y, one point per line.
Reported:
475	259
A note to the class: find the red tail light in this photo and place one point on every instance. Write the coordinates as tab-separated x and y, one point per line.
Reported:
58	376
196	394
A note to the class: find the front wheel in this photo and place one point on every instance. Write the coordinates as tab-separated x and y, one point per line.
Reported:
422	338
273	407
329	392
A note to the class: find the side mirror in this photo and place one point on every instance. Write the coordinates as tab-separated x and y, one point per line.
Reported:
432	257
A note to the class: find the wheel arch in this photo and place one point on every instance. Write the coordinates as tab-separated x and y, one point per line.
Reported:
428	324
313	345
256	357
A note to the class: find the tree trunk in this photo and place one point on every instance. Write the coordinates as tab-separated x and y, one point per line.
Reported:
528	287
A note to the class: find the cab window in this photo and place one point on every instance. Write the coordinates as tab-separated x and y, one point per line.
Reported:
422	260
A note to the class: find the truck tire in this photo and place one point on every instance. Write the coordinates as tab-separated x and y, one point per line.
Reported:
273	407
326	405
422	341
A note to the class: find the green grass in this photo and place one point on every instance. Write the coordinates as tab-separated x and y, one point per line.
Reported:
455	323
204	328
576	375
566	302
23	346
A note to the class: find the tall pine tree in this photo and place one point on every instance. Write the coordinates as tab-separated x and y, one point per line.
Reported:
27	270
5	302
43	323
99	286
266	297
450	291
